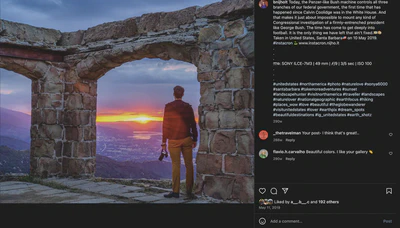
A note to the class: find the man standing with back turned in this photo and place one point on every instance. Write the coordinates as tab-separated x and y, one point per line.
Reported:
179	127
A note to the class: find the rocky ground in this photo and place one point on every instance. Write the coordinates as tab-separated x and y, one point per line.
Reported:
25	189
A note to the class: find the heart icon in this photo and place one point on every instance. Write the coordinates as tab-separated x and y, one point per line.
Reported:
262	190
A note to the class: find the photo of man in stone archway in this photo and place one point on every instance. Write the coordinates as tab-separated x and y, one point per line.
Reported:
179	128
95	93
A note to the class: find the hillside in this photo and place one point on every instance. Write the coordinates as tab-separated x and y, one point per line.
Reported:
15	124
13	161
15	144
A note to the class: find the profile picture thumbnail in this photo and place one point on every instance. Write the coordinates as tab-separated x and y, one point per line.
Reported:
263	153
263	135
263	4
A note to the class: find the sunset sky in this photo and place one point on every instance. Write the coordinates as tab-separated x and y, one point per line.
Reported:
134	91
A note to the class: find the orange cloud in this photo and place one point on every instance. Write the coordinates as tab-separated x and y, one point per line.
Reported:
6	91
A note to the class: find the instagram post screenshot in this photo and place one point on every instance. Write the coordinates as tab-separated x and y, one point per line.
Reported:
205	113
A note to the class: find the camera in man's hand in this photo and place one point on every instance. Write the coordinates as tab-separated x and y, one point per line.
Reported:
162	155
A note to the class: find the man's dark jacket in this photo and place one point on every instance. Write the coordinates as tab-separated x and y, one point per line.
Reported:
179	121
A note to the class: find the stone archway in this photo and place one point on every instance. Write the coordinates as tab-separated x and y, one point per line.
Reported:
218	39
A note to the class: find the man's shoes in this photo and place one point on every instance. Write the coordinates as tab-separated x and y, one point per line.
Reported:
172	194
190	196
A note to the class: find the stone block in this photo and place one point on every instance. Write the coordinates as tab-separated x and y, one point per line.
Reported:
224	44
224	100
207	93
198	185
246	45
220	60
111	30
40	69
71	38
236	59
203	145
36	116
51	131
73	133
83	150
54	75
209	164
243	189
226	8
93	88
58	148
28	33
223	142
35	87
42	148
219	187
239	165
243	119
73	167
34	132
208	76
245	142
238	78
44	101
93	117
234	28
212	120
93	148
171	20
89	133
149	23
71	76
49	87
249	22
77	118
209	34
68	148
243	99
47	167
90	166
219	84
227	119
73	101
80	87
205	62
49	116
89	102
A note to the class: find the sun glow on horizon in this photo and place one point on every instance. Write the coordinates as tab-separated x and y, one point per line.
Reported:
141	118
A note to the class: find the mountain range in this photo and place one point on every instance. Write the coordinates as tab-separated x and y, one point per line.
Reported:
17	161
15	144
15	125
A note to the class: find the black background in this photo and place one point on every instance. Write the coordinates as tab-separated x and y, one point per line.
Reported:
374	132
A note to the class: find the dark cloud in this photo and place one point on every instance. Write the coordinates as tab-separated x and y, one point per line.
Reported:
72	15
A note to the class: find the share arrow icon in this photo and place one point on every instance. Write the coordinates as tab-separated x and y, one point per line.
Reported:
285	190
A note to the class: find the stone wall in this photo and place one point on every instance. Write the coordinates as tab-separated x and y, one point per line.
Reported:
226	76
217	38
